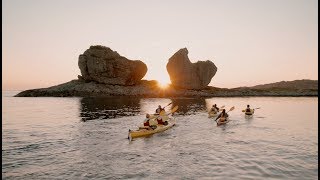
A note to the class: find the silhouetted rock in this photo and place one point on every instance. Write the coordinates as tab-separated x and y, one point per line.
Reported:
185	74
103	65
151	89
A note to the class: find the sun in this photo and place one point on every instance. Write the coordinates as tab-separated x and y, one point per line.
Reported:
163	83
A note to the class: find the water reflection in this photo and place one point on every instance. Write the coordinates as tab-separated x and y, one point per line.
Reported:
189	106
93	108
106	108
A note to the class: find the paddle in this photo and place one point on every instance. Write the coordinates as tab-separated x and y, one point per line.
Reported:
167	105
231	109
253	109
163	108
162	113
221	107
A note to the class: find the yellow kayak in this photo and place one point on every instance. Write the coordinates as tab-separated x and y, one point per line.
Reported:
212	114
222	121
146	132
249	113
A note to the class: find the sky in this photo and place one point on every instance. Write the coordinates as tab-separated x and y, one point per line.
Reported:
250	41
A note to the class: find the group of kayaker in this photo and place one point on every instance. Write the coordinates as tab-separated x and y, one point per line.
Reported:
160	120
151	125
223	116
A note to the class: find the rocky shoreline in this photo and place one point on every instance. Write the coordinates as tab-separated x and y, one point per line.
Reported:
105	72
80	88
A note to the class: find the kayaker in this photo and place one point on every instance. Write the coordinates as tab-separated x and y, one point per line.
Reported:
248	110
146	123
223	114
214	108
159	109
161	122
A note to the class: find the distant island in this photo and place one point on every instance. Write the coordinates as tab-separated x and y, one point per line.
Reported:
106	73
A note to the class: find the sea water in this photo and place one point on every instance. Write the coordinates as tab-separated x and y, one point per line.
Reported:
86	138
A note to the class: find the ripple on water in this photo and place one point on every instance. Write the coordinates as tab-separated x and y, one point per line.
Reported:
64	147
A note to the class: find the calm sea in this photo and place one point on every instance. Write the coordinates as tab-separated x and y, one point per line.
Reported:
86	138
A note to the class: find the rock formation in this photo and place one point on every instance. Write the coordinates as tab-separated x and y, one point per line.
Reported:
187	75
103	65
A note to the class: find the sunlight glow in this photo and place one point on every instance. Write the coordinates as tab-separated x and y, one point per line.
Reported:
163	83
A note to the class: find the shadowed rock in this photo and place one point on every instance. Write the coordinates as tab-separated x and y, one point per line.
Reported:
187	75
103	65
151	89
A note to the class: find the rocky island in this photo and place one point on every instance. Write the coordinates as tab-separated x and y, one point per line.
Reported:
104	72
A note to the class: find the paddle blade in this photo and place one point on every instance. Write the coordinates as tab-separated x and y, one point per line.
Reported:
162	113
222	106
174	109
243	110
232	108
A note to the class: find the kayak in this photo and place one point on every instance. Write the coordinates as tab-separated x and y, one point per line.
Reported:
145	132
212	114
219	122
249	113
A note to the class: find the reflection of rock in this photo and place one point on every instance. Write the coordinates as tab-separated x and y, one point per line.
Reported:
106	108
101	64
189	106
185	74
95	108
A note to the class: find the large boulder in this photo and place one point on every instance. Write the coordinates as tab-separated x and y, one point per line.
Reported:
187	75
103	65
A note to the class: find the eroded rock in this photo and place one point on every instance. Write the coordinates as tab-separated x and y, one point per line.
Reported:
185	74
103	65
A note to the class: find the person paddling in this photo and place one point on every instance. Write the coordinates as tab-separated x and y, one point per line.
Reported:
146	123
214	108
249	111
159	109
223	115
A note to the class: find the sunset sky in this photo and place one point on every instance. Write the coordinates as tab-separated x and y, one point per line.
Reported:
250	41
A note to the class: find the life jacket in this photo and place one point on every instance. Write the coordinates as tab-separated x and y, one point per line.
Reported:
248	110
146	123
160	121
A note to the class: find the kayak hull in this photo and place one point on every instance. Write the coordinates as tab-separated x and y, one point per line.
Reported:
222	121
249	114
212	114
146	132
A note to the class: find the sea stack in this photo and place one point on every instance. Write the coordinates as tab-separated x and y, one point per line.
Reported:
187	75
103	65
